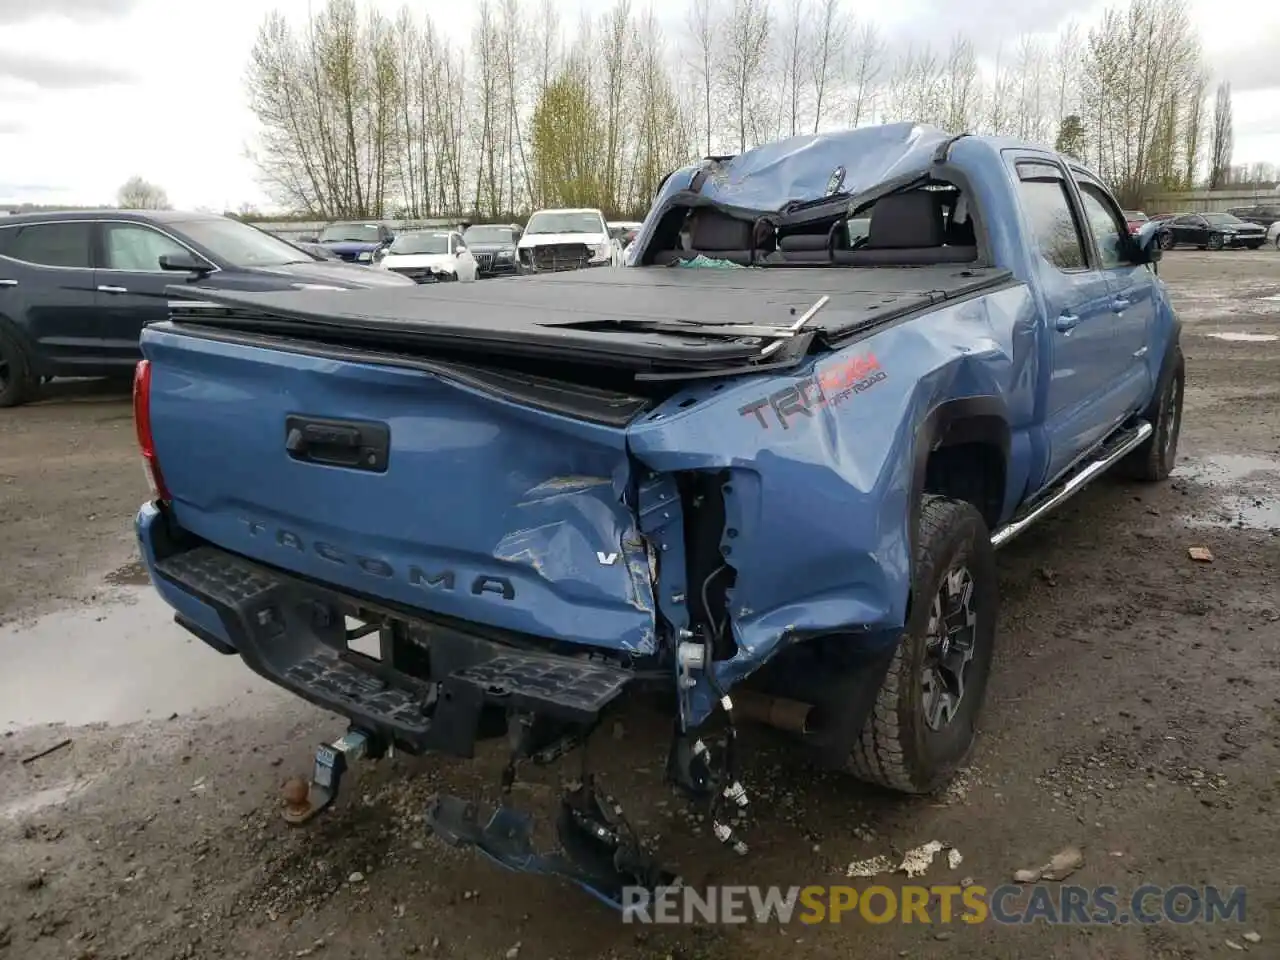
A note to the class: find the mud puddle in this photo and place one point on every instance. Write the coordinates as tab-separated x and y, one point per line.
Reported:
1248	486
115	663
30	803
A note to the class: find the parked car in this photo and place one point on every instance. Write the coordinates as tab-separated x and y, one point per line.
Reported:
759	495
494	247
318	250
355	241
1135	219
556	240
430	256
623	231
1210	231
77	287
1263	214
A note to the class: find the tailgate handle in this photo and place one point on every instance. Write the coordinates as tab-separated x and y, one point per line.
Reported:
355	444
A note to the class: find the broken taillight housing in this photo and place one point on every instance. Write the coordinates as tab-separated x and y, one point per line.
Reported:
142	422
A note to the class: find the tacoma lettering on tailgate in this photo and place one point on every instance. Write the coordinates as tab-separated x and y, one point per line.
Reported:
435	579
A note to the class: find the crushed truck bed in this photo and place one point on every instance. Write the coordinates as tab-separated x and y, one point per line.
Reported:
631	317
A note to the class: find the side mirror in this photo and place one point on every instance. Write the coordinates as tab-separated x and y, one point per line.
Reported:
460	249
1145	243
184	263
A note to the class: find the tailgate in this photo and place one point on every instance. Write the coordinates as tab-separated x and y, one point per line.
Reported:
405	486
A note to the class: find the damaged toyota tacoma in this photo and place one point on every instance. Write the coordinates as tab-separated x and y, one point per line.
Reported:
759	474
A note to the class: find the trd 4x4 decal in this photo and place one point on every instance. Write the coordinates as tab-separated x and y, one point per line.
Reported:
832	386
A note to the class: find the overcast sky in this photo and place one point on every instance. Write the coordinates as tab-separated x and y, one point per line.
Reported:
95	91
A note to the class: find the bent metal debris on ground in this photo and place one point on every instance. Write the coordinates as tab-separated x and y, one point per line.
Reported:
914	862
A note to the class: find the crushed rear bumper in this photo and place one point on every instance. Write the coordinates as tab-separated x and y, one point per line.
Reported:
435	688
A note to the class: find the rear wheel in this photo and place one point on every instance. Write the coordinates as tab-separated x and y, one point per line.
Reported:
924	721
1155	459
1166	240
17	383
1215	241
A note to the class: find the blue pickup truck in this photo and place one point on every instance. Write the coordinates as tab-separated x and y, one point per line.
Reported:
762	472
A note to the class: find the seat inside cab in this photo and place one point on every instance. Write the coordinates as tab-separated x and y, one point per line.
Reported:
916	228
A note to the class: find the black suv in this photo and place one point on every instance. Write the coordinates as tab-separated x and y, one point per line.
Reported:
76	288
1264	214
494	247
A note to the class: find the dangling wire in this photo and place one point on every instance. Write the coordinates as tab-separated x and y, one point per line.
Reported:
729	789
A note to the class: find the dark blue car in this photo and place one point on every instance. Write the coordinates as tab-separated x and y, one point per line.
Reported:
76	288
356	241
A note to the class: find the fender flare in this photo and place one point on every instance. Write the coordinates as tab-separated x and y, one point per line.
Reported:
981	419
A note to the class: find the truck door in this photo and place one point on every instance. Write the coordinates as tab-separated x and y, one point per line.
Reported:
1132	295
1079	317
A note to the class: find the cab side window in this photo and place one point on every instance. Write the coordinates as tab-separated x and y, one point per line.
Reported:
52	244
138	248
1053	224
1108	229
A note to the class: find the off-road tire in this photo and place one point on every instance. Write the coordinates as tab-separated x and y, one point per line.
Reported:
1155	459
18	384
896	748
1214	242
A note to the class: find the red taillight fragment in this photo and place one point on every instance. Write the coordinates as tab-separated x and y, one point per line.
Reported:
142	423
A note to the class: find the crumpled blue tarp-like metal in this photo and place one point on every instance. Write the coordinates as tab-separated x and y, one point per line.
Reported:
809	167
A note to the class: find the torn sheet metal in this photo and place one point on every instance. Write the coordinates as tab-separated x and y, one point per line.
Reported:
818	502
799	169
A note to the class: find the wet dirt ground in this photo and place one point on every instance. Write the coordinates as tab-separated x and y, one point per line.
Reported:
1134	713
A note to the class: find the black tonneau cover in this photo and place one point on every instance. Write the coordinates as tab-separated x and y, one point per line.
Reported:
634	317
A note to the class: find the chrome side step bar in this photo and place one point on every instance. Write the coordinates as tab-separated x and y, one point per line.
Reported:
1072	486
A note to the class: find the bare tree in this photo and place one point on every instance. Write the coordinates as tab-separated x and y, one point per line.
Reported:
742	68
1140	64
1194	132
548	42
487	120
662	138
138	194
865	73
615	54
962	85
703	21
359	115
1029	104
1001	110
1222	137
795	57
1066	72
827	55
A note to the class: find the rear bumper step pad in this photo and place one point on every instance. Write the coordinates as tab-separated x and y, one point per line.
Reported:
293	633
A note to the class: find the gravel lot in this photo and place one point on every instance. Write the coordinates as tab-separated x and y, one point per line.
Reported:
1133	712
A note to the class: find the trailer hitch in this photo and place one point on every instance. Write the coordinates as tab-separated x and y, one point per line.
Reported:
303	800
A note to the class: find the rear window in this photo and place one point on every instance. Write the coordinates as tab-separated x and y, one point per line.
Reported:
50	244
1052	224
